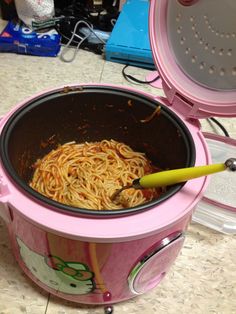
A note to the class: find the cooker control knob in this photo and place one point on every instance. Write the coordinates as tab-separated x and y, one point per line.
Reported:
150	270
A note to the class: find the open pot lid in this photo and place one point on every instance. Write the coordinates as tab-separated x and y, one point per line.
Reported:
194	49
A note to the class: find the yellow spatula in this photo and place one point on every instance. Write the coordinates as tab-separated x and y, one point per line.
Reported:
171	177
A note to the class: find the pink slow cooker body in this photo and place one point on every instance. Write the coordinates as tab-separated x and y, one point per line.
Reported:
107	259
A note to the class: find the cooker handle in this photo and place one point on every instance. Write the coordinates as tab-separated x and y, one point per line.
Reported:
4	192
4	209
4	196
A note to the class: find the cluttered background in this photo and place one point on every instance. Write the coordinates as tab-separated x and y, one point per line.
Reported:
48	28
37	55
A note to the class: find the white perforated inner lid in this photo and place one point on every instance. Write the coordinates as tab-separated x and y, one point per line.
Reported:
203	39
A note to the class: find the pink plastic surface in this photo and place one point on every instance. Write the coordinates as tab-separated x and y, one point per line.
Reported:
200	102
52	261
54	249
157	83
113	229
58	243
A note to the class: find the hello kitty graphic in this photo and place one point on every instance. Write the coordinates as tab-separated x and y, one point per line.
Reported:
67	277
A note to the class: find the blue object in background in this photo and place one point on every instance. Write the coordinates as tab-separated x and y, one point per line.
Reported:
20	39
129	41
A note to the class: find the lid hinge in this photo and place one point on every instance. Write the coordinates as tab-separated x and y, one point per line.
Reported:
183	106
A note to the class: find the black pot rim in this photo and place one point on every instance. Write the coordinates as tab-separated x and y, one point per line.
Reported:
54	205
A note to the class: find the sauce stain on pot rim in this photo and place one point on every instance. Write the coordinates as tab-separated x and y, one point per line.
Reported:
64	108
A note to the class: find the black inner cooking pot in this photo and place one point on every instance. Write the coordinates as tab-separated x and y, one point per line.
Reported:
93	113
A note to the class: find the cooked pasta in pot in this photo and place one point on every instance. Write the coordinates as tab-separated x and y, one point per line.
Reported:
86	175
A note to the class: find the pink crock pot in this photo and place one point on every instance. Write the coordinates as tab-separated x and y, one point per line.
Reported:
106	257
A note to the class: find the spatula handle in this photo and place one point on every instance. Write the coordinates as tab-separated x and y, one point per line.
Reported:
170	177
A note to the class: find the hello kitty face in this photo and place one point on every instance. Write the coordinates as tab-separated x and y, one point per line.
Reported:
66	277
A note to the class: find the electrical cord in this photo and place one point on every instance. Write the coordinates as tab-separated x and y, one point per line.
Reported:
223	129
132	79
82	39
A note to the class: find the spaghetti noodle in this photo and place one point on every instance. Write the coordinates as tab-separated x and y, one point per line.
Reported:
86	175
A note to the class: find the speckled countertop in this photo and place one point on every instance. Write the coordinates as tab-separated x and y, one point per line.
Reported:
203	278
